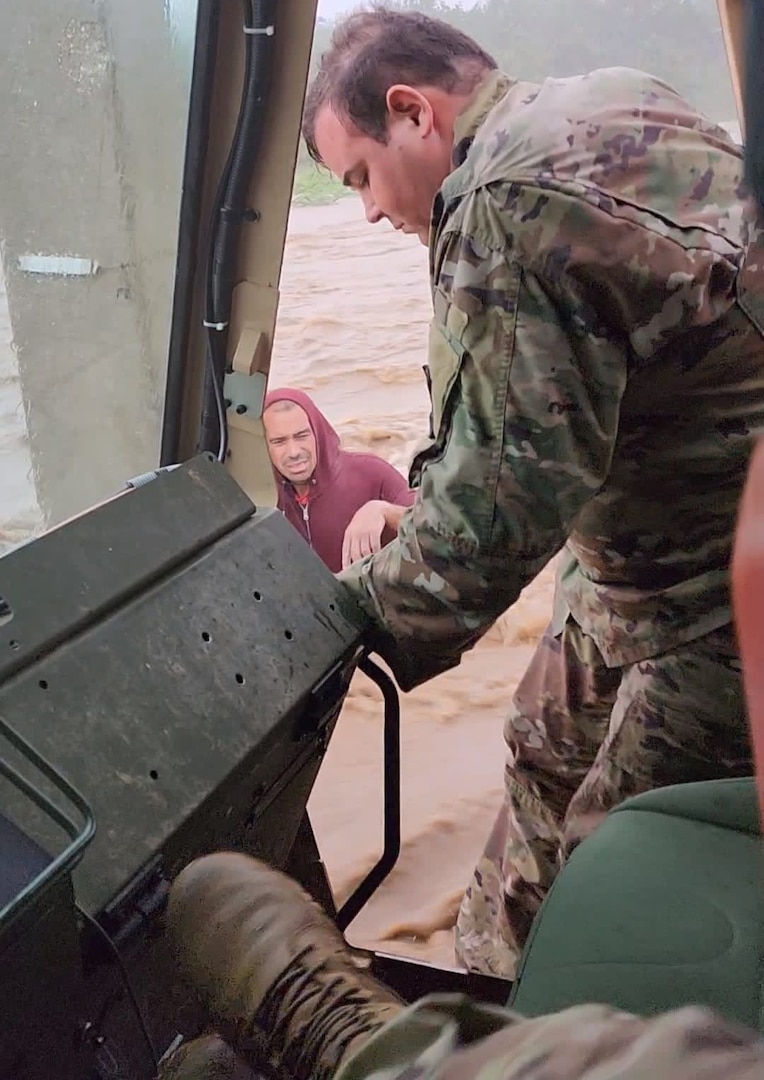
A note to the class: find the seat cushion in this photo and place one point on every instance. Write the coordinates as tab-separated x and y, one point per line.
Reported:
662	906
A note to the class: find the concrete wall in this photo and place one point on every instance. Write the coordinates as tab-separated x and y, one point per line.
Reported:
92	134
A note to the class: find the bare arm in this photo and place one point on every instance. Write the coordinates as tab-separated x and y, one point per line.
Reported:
363	535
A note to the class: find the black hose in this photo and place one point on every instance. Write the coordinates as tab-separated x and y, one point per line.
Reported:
228	214
241	162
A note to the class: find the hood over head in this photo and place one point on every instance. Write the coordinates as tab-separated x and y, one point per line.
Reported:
327	439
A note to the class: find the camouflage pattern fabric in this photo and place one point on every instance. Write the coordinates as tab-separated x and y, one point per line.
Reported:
597	380
581	738
449	1038
596	375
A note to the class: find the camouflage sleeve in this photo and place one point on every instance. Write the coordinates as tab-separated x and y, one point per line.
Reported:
451	1038
526	390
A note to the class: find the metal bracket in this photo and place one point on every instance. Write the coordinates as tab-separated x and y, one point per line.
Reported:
392	797
245	393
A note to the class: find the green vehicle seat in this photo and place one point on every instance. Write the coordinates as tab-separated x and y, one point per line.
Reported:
663	906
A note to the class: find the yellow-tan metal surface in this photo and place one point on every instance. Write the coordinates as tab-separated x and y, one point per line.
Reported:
256	296
732	18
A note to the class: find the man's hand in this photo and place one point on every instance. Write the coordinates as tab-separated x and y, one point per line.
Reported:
363	535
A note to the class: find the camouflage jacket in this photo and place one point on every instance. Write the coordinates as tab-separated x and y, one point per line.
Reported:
595	375
448	1037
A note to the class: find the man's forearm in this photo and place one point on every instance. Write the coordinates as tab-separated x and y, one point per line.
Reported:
393	513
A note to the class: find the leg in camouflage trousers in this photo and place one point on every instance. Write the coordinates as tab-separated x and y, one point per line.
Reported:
583	737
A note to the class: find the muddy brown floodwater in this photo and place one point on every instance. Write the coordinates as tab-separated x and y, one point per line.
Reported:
352	330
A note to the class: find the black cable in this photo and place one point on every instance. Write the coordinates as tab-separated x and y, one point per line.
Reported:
114	953
215	362
216	382
189	265
214	356
229	210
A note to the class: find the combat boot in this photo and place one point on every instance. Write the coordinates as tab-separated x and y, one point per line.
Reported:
279	982
205	1058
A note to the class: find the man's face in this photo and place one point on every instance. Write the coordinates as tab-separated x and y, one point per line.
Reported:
397	180
291	442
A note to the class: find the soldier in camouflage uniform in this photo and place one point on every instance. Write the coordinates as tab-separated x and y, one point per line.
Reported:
596	362
282	988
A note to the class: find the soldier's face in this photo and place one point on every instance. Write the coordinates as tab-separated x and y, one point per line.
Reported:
396	180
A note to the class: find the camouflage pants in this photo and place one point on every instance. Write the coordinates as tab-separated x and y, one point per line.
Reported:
449	1038
581	738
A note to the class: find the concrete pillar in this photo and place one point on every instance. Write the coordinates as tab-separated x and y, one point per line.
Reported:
92	138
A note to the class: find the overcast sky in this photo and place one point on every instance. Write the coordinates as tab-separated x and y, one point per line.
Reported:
327	9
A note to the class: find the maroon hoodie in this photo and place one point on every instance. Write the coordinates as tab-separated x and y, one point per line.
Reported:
342	483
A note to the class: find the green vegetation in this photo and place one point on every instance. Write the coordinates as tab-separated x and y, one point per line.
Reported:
314	186
677	40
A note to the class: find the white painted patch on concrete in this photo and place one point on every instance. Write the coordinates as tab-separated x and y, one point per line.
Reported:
58	265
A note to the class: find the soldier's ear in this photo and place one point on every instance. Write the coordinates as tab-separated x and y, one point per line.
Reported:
408	105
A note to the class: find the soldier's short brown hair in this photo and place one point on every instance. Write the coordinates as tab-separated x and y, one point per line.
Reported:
373	49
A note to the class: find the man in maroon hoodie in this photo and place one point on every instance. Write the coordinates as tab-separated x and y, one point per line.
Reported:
346	505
